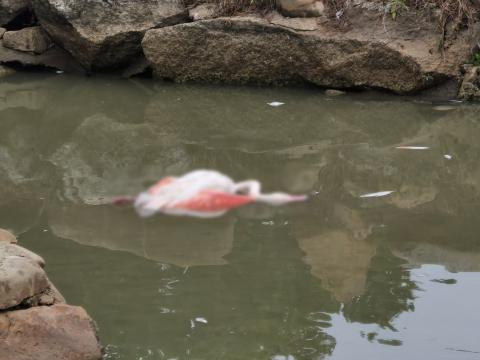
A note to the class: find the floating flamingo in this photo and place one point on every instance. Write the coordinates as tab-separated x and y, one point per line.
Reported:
202	193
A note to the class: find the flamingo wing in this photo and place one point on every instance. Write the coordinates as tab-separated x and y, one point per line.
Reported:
213	201
157	187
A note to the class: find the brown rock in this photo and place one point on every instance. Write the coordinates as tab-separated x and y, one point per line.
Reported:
104	34
203	12
301	8
53	58
250	50
301	24
59	332
138	66
5	235
470	87
32	39
9	9
21	276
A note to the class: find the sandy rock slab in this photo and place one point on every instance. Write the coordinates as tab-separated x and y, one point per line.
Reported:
59	332
251	50
32	39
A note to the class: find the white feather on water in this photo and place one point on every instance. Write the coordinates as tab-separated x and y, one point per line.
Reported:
377	194
275	103
412	147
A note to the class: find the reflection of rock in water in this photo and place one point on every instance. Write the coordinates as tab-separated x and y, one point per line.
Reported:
178	241
340	261
22	95
389	292
245	121
338	252
267	280
453	260
106	158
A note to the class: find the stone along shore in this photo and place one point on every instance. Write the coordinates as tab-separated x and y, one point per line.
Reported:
362	46
35	321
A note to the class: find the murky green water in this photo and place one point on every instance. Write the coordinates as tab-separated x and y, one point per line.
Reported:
338	277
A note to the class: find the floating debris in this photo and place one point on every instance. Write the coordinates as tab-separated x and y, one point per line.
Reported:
390	342
334	92
444	107
463	350
445	281
275	103
412	147
59	71
201	320
377	194
448	157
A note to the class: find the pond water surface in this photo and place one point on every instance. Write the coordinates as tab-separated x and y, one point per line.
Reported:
338	277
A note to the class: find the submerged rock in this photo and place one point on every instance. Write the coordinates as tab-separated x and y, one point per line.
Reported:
104	34
250	50
10	9
48	332
5	71
32	39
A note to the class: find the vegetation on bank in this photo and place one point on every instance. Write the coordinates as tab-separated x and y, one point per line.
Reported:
458	13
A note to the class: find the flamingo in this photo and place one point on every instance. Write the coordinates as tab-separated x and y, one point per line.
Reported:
204	194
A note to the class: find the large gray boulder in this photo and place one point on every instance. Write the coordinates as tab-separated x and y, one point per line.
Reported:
9	9
22	278
252	50
104	34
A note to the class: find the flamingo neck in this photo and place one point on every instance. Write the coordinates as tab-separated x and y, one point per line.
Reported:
277	199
